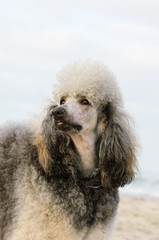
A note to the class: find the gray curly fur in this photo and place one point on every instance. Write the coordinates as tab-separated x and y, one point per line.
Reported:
85	205
86	200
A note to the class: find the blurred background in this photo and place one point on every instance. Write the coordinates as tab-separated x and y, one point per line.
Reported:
37	38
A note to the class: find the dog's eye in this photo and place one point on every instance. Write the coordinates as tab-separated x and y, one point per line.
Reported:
62	101
85	102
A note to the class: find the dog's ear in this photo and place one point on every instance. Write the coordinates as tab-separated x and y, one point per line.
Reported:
55	148
42	140
117	149
45	159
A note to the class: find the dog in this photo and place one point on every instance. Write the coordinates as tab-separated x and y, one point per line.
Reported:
60	180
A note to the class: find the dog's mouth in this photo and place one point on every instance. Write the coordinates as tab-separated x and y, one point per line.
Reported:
65	126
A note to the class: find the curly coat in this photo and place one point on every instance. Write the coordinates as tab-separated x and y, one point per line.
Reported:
45	192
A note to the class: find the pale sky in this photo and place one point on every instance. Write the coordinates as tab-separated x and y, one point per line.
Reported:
39	37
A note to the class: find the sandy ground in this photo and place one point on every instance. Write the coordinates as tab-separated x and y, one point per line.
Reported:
137	219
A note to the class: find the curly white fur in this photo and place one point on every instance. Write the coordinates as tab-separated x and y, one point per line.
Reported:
91	79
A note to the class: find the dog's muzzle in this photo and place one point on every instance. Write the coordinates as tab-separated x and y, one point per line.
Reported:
62	120
58	113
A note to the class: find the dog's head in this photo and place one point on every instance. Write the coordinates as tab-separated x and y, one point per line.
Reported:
74	115
88	100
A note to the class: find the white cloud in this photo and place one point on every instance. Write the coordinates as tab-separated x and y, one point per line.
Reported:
145	56
48	40
144	11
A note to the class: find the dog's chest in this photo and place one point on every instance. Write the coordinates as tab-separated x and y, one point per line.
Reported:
86	205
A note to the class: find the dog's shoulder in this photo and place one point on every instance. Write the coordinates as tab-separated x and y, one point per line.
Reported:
15	142
15	151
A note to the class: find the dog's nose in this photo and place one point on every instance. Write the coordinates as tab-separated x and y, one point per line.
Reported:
58	111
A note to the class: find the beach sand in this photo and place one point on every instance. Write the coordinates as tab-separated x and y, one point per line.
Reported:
137	219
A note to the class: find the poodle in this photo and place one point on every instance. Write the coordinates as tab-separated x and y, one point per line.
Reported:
60	180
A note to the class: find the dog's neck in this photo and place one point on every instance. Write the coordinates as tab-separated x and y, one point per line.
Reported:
85	144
